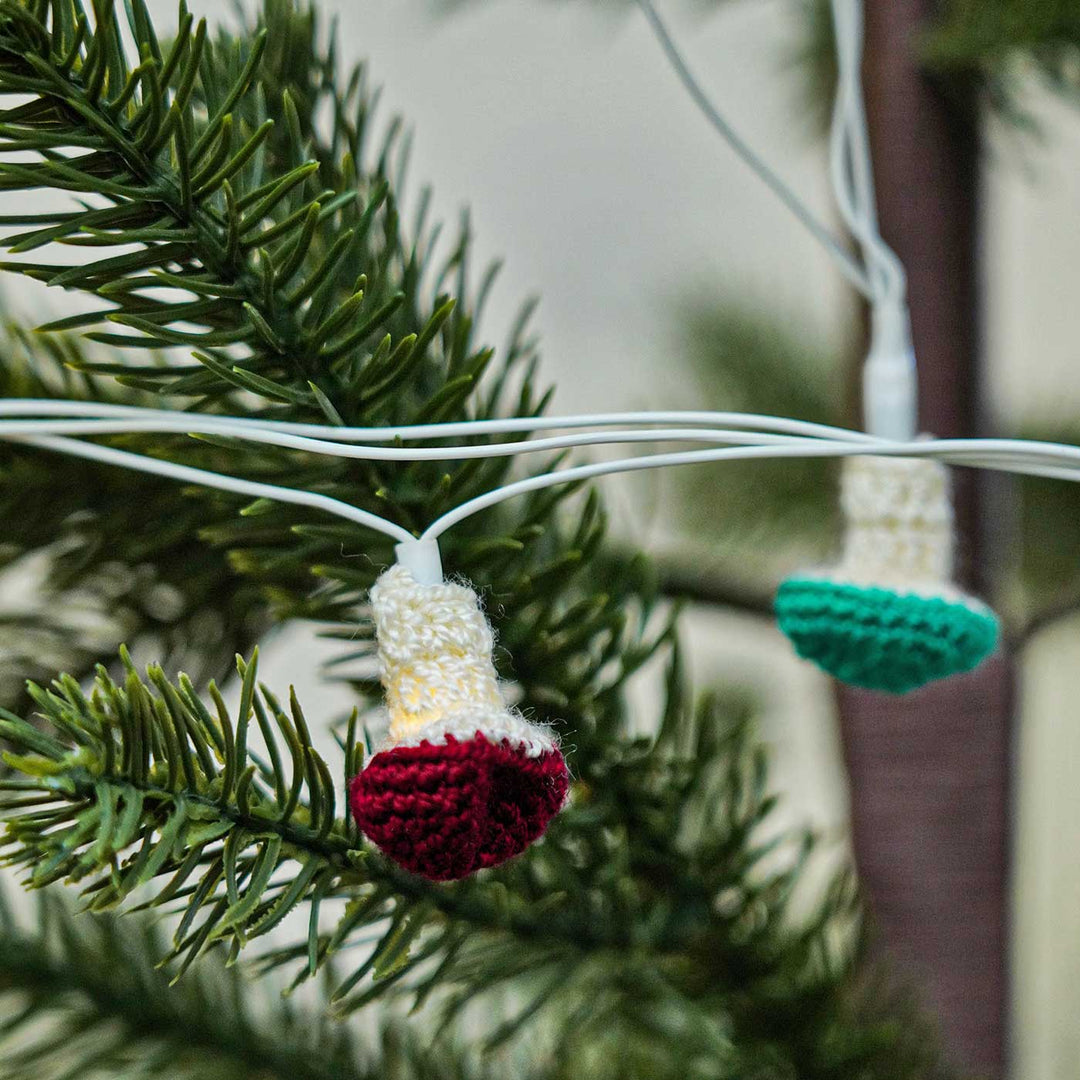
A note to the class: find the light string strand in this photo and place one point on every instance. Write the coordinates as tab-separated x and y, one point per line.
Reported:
50	407
1055	460
845	263
890	403
773	431
205	478
851	169
889	383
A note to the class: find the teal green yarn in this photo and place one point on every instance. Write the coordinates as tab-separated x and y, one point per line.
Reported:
883	640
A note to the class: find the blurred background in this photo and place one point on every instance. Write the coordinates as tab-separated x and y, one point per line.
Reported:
669	277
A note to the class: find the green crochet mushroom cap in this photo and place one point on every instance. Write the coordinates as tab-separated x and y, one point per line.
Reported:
883	640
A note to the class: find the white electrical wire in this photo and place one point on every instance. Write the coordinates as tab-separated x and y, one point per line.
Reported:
849	156
890	395
1007	455
852	173
889	378
848	266
190	425
47	407
189	475
1057	460
54	434
852	183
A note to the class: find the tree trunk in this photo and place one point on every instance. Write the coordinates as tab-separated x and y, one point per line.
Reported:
930	772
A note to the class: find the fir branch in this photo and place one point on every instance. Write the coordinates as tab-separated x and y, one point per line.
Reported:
1067	605
189	189
105	570
985	40
84	997
680	578
146	767
652	893
148	783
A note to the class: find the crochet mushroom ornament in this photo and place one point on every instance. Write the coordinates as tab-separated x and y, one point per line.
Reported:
887	616
462	782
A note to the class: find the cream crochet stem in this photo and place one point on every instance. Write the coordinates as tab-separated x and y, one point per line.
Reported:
435	650
898	518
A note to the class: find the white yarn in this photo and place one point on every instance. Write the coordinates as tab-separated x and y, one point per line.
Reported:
435	662
898	529
898	522
497	726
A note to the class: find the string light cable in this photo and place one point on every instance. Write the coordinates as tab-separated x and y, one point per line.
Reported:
210	423
1034	458
847	265
889	385
890	401
851	170
186	424
750	429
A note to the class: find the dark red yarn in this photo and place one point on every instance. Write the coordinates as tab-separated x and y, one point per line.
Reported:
445	810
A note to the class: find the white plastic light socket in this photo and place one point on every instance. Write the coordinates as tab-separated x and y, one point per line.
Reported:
422	559
890	390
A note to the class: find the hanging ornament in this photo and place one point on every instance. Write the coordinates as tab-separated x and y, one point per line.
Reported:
463	782
888	617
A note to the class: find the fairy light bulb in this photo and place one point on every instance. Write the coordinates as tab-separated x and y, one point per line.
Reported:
462	782
887	616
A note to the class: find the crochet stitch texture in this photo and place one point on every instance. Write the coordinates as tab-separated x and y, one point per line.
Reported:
887	616
462	783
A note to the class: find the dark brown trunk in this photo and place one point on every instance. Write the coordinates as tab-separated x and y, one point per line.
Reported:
930	772
929	787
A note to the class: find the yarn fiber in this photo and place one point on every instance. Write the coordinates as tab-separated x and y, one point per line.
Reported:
462	782
887	616
447	809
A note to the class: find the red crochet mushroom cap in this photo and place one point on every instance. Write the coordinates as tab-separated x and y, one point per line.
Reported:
448	808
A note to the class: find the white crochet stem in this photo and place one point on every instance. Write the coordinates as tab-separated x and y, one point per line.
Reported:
435	661
898	516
